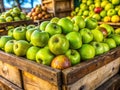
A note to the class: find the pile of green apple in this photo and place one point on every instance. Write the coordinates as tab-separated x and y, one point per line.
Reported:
101	10
61	42
14	14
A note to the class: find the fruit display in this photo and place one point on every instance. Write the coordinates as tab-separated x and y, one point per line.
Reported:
101	10
14	14
39	12
61	42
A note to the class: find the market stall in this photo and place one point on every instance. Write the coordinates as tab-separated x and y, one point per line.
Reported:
53	48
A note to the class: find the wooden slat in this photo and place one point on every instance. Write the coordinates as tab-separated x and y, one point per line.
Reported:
71	75
94	79
42	71
111	84
6	85
110	23
16	23
31	82
11	73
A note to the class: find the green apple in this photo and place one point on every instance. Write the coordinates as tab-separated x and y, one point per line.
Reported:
109	6
6	14
117	31
99	49
22	16
116	37
109	28
20	47
31	53
17	18
53	28
29	33
66	24
75	40
16	10
106	47
111	42
54	20
44	56
9	19
3	40
89	2
97	17
91	7
19	33
104	3
115	2
87	35
87	52
117	8
13	14
103	13
9	46
97	35
43	25
77	9
111	12
39	38
83	6
86	13
91	23
74	56
73	13
84	1
30	26
10	32
119	12
79	21
58	44
2	19
97	4
76	27
91	13
80	12
60	62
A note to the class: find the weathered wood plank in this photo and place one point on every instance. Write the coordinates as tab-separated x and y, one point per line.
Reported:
16	23
112	84
94	79
32	82
42	71
6	85
11	73
71	75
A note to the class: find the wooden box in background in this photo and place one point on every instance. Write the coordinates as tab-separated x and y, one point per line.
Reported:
60	8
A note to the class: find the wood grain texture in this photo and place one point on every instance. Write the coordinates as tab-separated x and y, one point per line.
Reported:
6	85
112	84
11	73
32	82
71	75
94	79
42	71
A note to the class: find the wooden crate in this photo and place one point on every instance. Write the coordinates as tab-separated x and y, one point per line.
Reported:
112	84
60	8
6	85
87	75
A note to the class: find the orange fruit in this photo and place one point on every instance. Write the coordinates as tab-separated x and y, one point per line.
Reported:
115	18
107	19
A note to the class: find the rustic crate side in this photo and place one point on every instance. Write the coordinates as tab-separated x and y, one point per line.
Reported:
42	71
94	79
11	73
31	82
112	84
72	74
6	85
